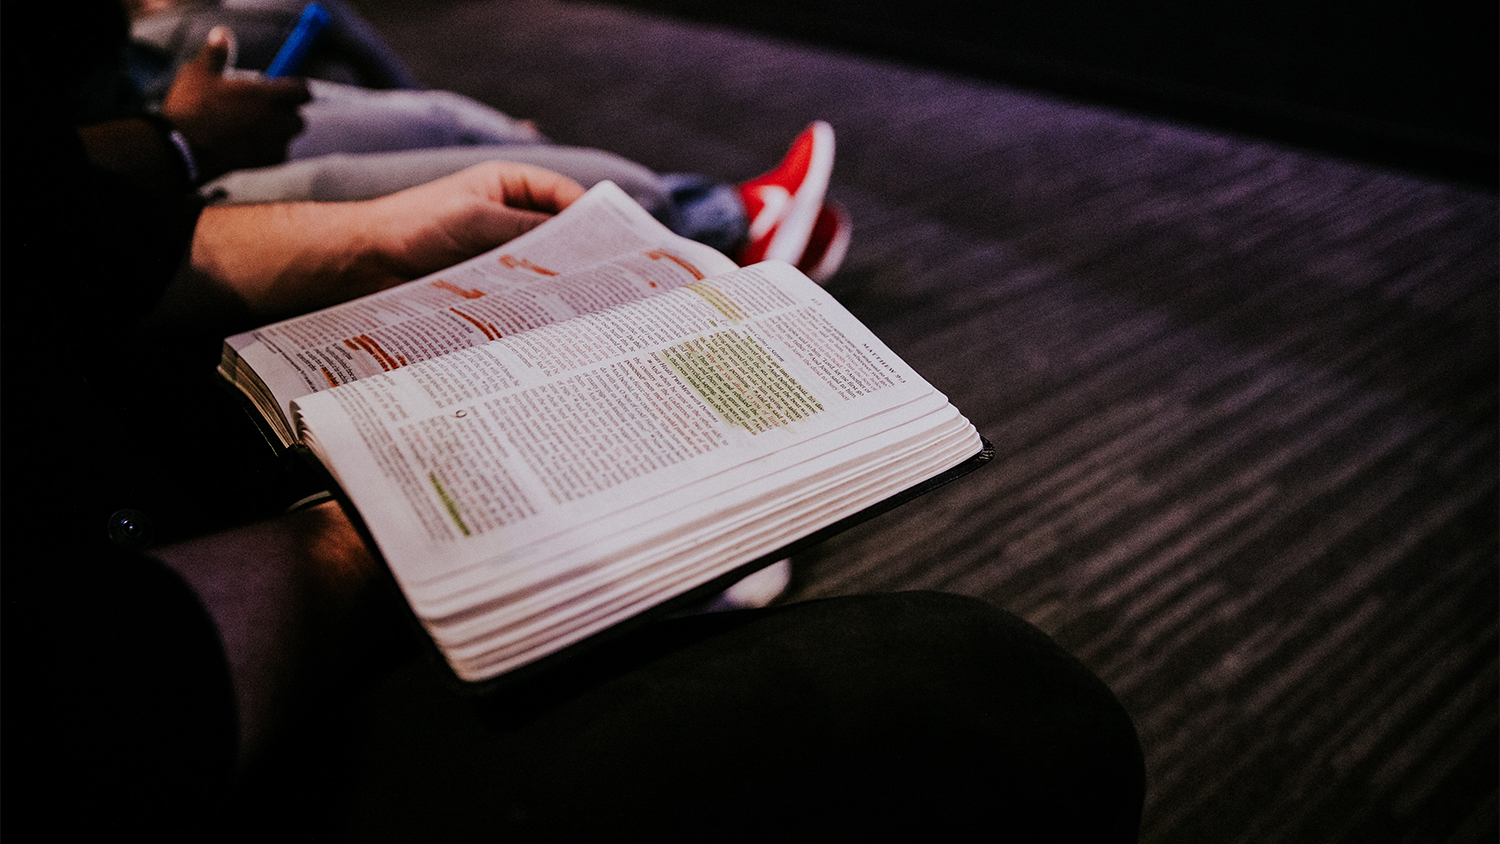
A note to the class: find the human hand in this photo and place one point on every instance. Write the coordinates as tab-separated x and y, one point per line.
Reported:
284	259
232	122
438	224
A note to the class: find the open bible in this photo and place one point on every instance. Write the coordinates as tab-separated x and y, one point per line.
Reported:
592	419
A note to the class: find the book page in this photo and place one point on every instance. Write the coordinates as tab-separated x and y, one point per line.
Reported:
762	524
601	251
503	633
472	470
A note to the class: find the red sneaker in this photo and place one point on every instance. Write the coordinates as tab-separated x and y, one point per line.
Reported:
783	205
827	245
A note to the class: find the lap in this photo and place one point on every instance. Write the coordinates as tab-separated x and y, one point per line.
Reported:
817	719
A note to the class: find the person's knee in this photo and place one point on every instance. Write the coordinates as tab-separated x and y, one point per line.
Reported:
973	712
923	711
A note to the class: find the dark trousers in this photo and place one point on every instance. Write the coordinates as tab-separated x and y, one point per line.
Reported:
907	715
897	716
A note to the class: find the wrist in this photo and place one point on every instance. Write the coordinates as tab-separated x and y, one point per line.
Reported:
181	151
385	253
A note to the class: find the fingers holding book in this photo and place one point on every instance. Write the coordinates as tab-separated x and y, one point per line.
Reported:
435	225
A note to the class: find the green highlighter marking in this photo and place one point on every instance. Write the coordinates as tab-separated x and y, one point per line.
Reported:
448	502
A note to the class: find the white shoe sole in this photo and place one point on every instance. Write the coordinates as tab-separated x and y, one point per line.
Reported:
790	239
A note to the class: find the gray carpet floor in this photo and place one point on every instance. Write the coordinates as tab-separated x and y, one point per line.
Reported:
1243	396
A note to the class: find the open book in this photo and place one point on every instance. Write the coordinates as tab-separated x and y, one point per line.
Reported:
594	418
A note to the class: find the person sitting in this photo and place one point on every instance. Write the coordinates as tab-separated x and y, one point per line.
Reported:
190	119
173	679
359	142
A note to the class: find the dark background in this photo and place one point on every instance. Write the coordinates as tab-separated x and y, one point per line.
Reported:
1404	83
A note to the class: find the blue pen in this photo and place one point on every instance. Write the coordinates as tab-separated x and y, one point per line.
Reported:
289	57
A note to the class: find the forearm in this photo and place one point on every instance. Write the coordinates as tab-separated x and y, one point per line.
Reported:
285	259
288	258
